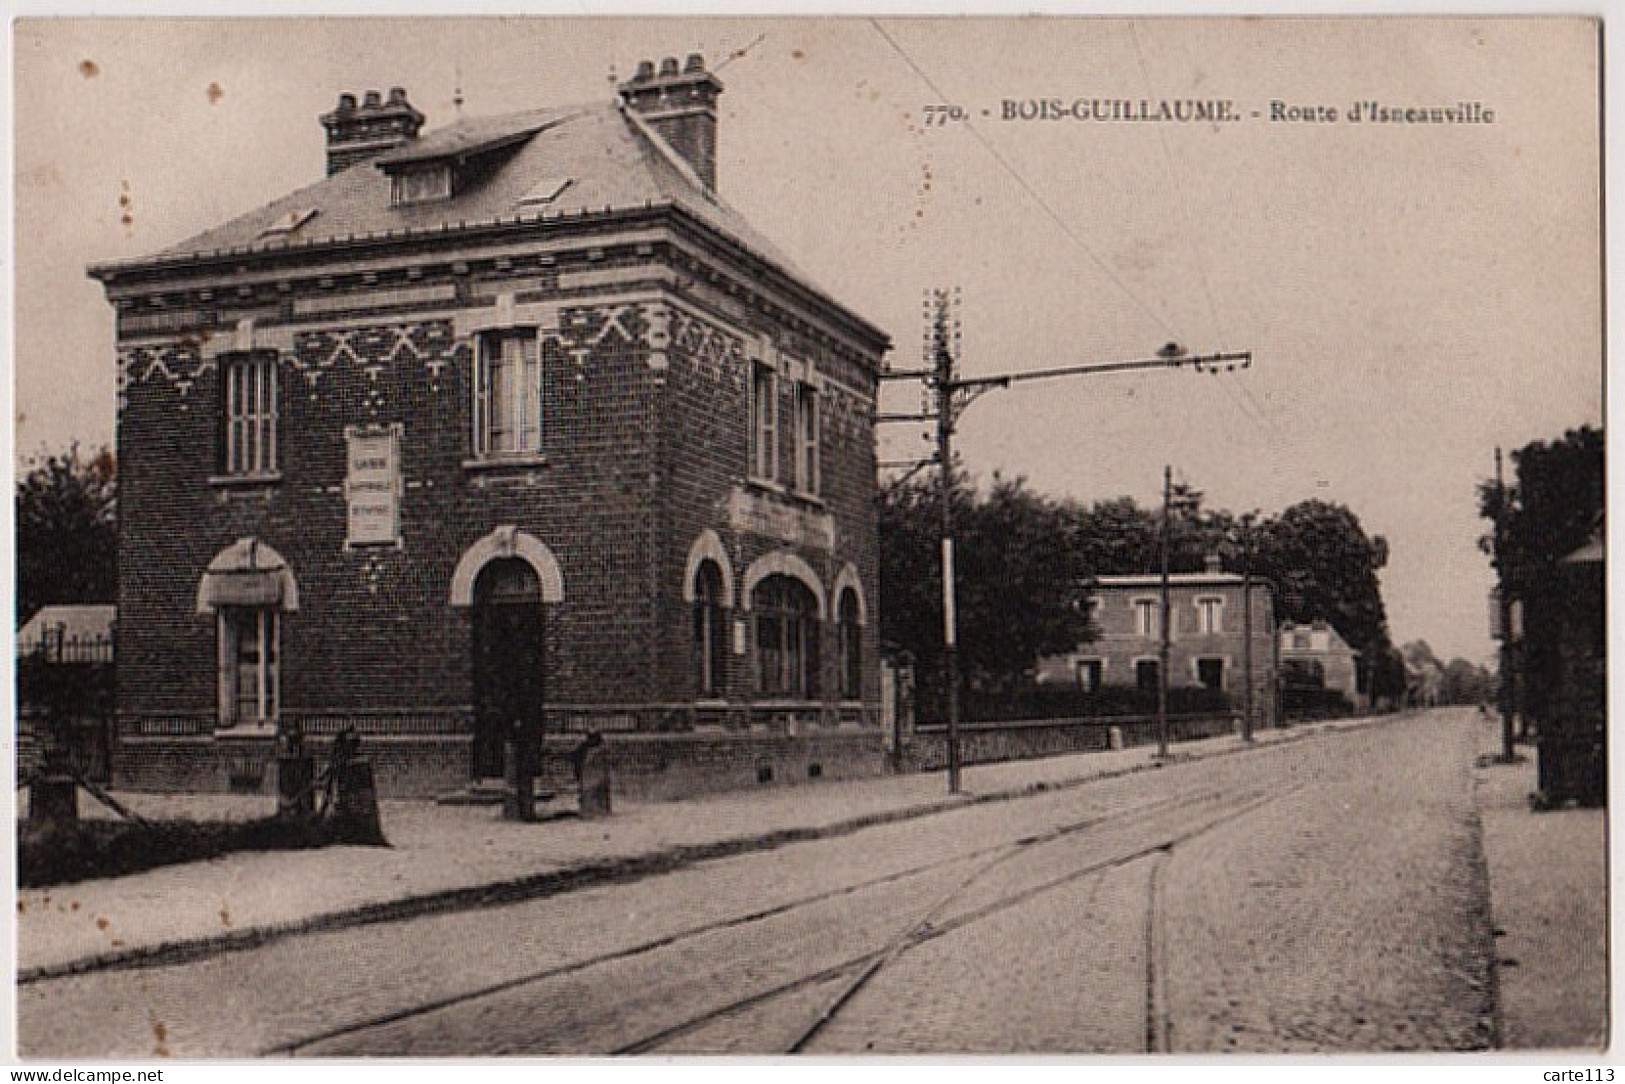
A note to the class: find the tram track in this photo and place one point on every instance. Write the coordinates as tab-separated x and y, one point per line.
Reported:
688	934
850	974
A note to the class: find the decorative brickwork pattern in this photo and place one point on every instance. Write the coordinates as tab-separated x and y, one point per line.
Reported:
637	450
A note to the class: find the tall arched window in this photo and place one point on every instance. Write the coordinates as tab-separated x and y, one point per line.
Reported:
851	645
710	631
248	587
786	637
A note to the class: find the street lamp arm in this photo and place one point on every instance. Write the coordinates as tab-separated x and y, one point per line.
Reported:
1241	359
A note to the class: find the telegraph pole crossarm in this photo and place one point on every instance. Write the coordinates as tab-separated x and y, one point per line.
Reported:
953	394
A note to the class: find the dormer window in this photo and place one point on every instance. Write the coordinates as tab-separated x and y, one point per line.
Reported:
423	185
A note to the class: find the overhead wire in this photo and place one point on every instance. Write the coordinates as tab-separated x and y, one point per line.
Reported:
1239	394
1162	322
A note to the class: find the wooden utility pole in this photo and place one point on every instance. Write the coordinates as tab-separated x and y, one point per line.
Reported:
1164	639
950	638
1247	626
1503	600
953	394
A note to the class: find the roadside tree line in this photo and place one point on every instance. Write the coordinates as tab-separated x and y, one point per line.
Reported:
1025	563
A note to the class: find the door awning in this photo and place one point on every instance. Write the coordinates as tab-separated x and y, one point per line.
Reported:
247	573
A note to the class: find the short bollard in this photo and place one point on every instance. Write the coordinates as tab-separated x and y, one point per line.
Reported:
519	798
53	802
355	810
295	787
592	777
295	778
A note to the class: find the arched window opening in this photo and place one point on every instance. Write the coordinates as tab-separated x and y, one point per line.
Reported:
710	631
786	638
249	638
851	645
248	587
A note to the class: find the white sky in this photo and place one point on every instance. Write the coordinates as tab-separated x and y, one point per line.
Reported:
1413	296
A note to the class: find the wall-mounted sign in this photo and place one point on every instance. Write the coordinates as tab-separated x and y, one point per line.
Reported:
372	485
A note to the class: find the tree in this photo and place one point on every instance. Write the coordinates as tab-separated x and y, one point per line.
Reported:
67	531
1118	537
1553	507
1424	674
1323	567
1025	562
1020	583
1465	683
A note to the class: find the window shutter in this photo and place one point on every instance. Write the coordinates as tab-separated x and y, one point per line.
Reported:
482	406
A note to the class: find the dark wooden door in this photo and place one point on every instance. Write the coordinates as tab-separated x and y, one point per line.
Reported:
509	684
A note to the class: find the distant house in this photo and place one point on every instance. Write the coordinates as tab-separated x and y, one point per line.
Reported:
1424	677
1209	629
69	634
1316	655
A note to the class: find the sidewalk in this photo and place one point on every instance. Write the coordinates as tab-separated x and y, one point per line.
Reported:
446	857
1549	900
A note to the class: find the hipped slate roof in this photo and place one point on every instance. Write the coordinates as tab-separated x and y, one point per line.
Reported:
614	162
612	158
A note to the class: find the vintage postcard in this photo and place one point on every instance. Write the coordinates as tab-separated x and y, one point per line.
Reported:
835	536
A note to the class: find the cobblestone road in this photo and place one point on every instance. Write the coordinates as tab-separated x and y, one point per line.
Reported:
1325	895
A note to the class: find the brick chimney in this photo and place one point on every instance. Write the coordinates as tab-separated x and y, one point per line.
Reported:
358	132
682	107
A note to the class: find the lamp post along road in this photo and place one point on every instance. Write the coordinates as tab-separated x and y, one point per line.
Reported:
953	394
1247	626
1163	615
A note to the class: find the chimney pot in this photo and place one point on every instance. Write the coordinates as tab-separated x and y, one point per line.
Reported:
356	134
681	107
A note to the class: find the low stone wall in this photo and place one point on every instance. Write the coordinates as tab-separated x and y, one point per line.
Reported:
404	766
1028	739
665	767
643	767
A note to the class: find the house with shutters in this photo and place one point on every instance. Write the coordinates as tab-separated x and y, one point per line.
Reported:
1221	627
507	427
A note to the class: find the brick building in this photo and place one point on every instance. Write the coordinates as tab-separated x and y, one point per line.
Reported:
1208	633
513	424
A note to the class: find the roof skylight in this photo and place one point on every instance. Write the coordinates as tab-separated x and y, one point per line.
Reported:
289	222
544	192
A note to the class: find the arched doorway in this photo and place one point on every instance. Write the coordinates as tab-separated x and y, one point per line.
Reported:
509	674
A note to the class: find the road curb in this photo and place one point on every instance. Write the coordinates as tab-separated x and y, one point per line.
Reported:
598	872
